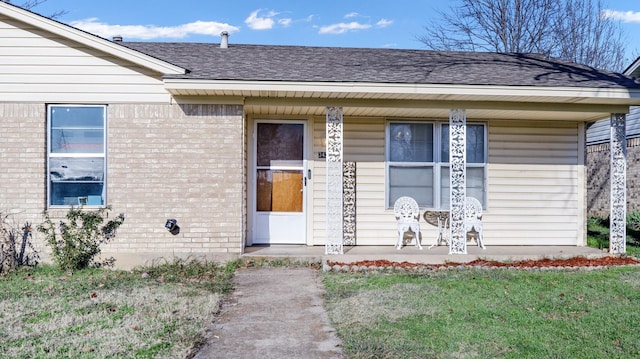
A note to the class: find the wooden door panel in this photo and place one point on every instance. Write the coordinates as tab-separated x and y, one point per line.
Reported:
286	192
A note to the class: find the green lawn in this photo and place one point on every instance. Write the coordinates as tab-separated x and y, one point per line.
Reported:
161	312
493	313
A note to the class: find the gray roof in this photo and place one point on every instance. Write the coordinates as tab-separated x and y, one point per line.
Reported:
334	64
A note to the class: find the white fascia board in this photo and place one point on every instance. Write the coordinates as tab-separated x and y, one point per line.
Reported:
502	93
88	39
633	67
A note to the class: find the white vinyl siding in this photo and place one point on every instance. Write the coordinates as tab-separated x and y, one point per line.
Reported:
371	217
363	143
36	66
600	132
316	197
534	186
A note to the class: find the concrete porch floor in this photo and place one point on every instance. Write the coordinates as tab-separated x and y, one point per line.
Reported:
436	255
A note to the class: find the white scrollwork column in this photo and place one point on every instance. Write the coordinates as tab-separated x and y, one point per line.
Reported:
458	180
349	203
335	226
618	145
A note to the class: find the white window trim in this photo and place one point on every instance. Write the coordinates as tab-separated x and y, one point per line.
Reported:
102	154
437	165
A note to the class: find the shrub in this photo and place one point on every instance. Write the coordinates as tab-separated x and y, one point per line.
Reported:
15	252
633	220
75	244
598	232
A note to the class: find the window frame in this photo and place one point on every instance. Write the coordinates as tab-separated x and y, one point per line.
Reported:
52	155
437	163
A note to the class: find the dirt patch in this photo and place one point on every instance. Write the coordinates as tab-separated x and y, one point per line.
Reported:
574	262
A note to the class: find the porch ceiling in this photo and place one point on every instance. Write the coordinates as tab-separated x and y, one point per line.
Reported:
307	111
404	109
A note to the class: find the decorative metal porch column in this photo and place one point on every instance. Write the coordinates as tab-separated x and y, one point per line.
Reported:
335	215
349	203
458	180
618	146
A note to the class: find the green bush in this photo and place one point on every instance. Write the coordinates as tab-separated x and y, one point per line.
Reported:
633	220
75	243
598	232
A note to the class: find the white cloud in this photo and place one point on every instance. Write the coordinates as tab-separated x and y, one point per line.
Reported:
285	22
384	23
342	27
148	32
256	22
624	16
351	15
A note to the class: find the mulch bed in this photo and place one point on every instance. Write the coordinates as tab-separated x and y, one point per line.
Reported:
567	263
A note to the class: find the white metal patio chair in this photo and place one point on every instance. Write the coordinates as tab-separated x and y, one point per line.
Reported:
473	219
407	213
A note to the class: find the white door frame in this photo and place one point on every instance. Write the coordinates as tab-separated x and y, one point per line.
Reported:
274	220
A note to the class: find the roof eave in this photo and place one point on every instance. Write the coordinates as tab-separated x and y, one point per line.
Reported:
633	69
89	40
574	95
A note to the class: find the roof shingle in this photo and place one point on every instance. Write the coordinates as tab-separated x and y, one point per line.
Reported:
366	65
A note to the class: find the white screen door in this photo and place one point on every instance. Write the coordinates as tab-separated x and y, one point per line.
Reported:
279	186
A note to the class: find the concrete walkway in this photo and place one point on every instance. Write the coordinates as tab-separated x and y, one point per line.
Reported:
273	313
278	312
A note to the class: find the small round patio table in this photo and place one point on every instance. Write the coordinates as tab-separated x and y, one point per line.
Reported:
439	219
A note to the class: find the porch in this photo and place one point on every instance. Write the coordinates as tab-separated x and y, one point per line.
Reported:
436	255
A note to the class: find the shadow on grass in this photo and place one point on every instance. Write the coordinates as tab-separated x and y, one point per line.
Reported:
598	233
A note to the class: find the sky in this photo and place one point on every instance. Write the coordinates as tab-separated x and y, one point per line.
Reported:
342	23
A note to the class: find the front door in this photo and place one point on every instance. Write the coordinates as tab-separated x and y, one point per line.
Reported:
279	183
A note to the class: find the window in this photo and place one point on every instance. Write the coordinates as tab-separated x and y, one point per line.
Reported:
76	155
418	162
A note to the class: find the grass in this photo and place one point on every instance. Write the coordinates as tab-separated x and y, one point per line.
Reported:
487	314
598	233
156	312
162	311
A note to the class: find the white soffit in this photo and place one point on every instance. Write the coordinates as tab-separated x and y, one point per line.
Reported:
404	113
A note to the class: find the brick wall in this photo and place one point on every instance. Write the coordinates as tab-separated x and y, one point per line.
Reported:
598	167
22	159
164	161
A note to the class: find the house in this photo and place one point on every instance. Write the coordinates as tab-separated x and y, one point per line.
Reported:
243	145
598	158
